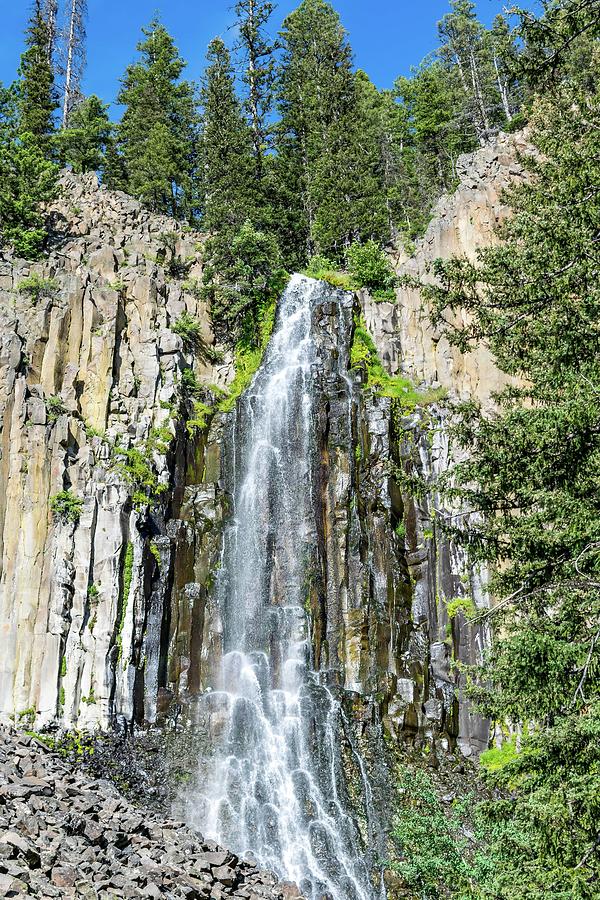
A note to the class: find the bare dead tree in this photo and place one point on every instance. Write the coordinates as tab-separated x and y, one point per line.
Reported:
50	11
74	57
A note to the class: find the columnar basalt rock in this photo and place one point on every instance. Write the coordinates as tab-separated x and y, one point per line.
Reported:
89	369
461	223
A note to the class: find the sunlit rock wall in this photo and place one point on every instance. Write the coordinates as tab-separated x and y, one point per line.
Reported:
85	616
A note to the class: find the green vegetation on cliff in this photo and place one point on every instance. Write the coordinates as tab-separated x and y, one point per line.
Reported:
532	475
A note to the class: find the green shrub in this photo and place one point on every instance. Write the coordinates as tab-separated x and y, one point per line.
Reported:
495	759
369	268
66	507
155	552
159	440
26	717
436	860
54	408
189	330
138	472
189	386
200	417
194	287
91	698
324	269
463	605
178	268
38	288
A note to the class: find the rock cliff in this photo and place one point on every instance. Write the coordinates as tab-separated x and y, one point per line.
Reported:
90	380
111	509
461	223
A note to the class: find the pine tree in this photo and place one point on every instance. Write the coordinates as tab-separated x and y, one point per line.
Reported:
75	58
434	133
532	475
225	146
228	168
84	145
157	136
463	46
322	171
27	176
259	73
37	99
504	54
27	180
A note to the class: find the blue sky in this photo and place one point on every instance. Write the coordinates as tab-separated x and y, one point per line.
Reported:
388	36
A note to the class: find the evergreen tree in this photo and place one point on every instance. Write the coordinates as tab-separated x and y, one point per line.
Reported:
227	166
27	176
37	98
157	136
84	145
27	180
503	52
533	478
321	169
433	134
225	146
463	46
259	73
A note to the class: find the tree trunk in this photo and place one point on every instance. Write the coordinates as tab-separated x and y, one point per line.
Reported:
257	137
51	14
479	101
503	91
69	69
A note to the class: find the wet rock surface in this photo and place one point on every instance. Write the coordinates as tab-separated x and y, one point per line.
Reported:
63	834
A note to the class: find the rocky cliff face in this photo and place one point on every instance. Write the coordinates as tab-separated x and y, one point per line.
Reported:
90	378
460	224
106	607
430	702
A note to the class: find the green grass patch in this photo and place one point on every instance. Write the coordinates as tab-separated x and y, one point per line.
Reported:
54	408
189	330
498	757
38	288
364	355
462	605
249	354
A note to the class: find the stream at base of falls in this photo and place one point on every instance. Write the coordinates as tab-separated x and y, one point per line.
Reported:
274	785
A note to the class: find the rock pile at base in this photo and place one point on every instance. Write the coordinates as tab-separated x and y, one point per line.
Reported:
64	835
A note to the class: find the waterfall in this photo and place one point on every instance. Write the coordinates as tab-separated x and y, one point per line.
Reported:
274	784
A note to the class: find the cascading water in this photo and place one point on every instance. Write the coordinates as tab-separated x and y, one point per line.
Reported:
274	783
